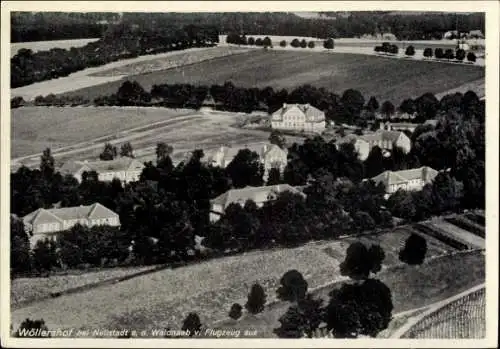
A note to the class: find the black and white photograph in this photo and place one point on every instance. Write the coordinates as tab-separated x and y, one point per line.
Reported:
251	173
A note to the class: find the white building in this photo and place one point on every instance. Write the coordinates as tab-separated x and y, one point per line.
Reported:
259	195
299	117
125	169
411	180
398	126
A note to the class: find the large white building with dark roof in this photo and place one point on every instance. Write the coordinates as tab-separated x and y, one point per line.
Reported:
44	223
259	195
299	117
411	180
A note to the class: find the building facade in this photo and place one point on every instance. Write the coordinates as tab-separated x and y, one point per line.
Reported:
125	169
259	195
411	180
44	223
398	126
299	117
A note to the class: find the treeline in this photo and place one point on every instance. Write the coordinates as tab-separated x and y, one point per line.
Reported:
164	211
234	38
45	26
120	41
352	107
419	26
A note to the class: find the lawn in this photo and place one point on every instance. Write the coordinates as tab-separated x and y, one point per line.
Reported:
384	78
164	298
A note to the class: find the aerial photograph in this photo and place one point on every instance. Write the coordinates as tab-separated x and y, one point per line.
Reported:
247	175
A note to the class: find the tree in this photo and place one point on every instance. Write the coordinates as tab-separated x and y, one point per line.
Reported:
374	163
251	41
245	169
310	44
44	255
427	106
361	261
283	43
410	51
372	104
303	43
274	176
28	325
414	250
460	54
132	93
328	44
295	43
387	109
162	151
408	106
109	152
439	53
256	299
447	193
267	42
259	42
127	150
353	102
359	309
19	246
428	52
235	311
276	137
192	324
301	319
449	54
16	102
471	57
293	286
47	166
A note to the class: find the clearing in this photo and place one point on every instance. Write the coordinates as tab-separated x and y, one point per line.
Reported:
384	78
164	298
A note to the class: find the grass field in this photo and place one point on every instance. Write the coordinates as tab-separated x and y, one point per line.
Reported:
82	132
164	298
383	78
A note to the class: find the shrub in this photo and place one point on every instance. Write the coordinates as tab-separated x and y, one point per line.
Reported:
428	52
28	324
191	323
448	54
438	53
251	41
471	57
16	102
295	43
414	250
329	44
283	43
292	324
293	286
259	42
310	44
410	51
235	311
256	299
460	54
394	49
267	41
379	49
303	43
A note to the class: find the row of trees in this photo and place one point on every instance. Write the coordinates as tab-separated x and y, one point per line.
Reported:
118	42
450	54
387	48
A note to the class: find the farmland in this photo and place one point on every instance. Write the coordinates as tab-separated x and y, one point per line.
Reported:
82	132
163	298
385	78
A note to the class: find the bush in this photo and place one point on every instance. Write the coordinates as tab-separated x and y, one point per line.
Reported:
410	51
329	44
449	54
251	41
235	311
16	102
28	325
471	57
428	52
256	299
360	261
311	44
192	324
460	54
438	53
267	42
394	49
293	286
303	43
283	43
259	42
295	43
379	49
414	250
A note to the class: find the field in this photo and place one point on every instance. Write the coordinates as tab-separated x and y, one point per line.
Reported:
47	45
209	288
464	318
384	78
81	132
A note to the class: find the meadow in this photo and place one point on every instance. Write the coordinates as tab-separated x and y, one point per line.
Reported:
384	78
164	298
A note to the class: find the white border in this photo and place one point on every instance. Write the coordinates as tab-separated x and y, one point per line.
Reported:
492	125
